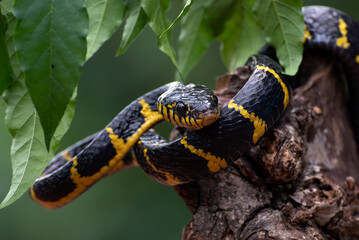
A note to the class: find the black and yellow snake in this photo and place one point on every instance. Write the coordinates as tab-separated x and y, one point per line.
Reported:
219	137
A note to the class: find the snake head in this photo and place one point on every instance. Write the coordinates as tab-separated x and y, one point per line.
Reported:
192	106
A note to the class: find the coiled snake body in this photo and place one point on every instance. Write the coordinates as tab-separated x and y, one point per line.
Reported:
128	140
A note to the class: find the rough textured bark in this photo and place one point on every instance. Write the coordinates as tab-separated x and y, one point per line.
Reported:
298	182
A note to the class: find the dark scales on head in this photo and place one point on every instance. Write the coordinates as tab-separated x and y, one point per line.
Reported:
191	106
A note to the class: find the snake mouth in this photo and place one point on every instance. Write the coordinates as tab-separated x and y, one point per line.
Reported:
206	119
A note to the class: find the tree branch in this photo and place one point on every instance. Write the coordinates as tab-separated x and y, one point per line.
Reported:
298	182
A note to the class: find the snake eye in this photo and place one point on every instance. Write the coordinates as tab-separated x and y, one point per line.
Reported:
181	109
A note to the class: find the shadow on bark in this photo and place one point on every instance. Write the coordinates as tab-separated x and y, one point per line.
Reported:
298	182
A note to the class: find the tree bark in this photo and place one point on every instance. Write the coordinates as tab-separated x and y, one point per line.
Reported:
298	182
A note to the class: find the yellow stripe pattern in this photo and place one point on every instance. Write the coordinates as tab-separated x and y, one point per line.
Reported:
284	87
307	35
122	148
214	163
343	40
258	123
187	122
66	156
171	180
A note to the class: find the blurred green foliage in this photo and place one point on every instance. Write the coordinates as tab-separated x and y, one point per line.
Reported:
127	205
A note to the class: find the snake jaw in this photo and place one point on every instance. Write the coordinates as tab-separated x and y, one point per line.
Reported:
209	117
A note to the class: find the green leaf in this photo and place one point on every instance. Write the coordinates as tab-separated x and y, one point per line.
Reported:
6	74
217	13
50	39
135	22
105	16
195	37
158	21
24	125
242	36
28	153
204	21
282	21
62	128
6	6
183	13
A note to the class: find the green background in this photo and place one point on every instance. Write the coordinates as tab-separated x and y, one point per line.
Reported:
127	205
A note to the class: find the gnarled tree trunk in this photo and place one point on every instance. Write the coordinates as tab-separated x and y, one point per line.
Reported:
298	182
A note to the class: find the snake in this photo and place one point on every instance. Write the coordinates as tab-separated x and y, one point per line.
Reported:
216	138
